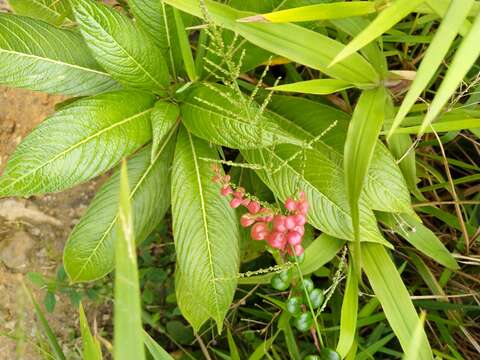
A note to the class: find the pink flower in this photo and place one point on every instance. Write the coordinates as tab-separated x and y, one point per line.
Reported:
259	231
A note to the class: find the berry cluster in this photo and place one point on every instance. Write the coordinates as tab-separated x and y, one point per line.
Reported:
282	232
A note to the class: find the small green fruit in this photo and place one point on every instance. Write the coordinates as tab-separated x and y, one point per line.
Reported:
312	357
300	258
278	284
307	284
316	298
286	276
329	354
294	305
304	322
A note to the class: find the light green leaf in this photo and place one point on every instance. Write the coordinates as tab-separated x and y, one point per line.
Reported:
284	325
128	328
442	126
88	254
348	321
362	136
91	347
51	11
164	117
184	43
385	186
126	52
383	22
315	50
317	86
77	143
464	58
438	48
157	352
234	354
318	253
156	18
316	12
411	353
206	236
217	114
394	297
421	237
57	60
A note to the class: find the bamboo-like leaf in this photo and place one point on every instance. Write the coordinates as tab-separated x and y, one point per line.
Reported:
57	60
51	11
316	12
91	347
184	44
155	350
126	52
394	297
383	22
348	321
217	114
437	49
441	126
315	50
411	353
284	325
88	254
164	117
362	135
78	142
421	237
128	329
318	86
464	58
206	235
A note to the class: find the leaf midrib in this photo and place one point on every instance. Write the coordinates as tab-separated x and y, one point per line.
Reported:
74	146
132	194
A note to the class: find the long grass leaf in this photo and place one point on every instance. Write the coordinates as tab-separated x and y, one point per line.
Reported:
317	86
438	48
128	331
155	350
184	43
411	353
91	346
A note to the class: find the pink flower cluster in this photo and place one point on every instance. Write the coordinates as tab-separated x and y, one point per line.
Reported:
283	232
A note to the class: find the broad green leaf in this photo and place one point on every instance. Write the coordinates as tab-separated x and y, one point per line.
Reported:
164	117
413	347
45	327
156	18
155	350
218	114
315	50
384	21
316	12
77	143
128	328
206	236
51	11
348	322
362	136
465	56
318	86
88	254
421	237
318	253
433	58
385	186
91	347
184	44
394	297
57	60
126	52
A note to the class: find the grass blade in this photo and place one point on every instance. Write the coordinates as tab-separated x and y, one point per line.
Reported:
318	86
362	135
465	57
234	354
184	43
348	321
91	346
316	12
157	352
394	297
383	22
128	331
413	348
446	33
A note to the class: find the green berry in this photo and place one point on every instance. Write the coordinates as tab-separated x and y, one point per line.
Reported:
294	305
286	276
329	354
299	258
312	357
304	322
316	298
278	284
307	284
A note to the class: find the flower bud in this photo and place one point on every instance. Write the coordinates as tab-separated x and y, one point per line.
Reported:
290	205
259	231
246	220
235	202
254	207
294	238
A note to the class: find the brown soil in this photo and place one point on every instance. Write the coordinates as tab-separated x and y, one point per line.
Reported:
32	235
